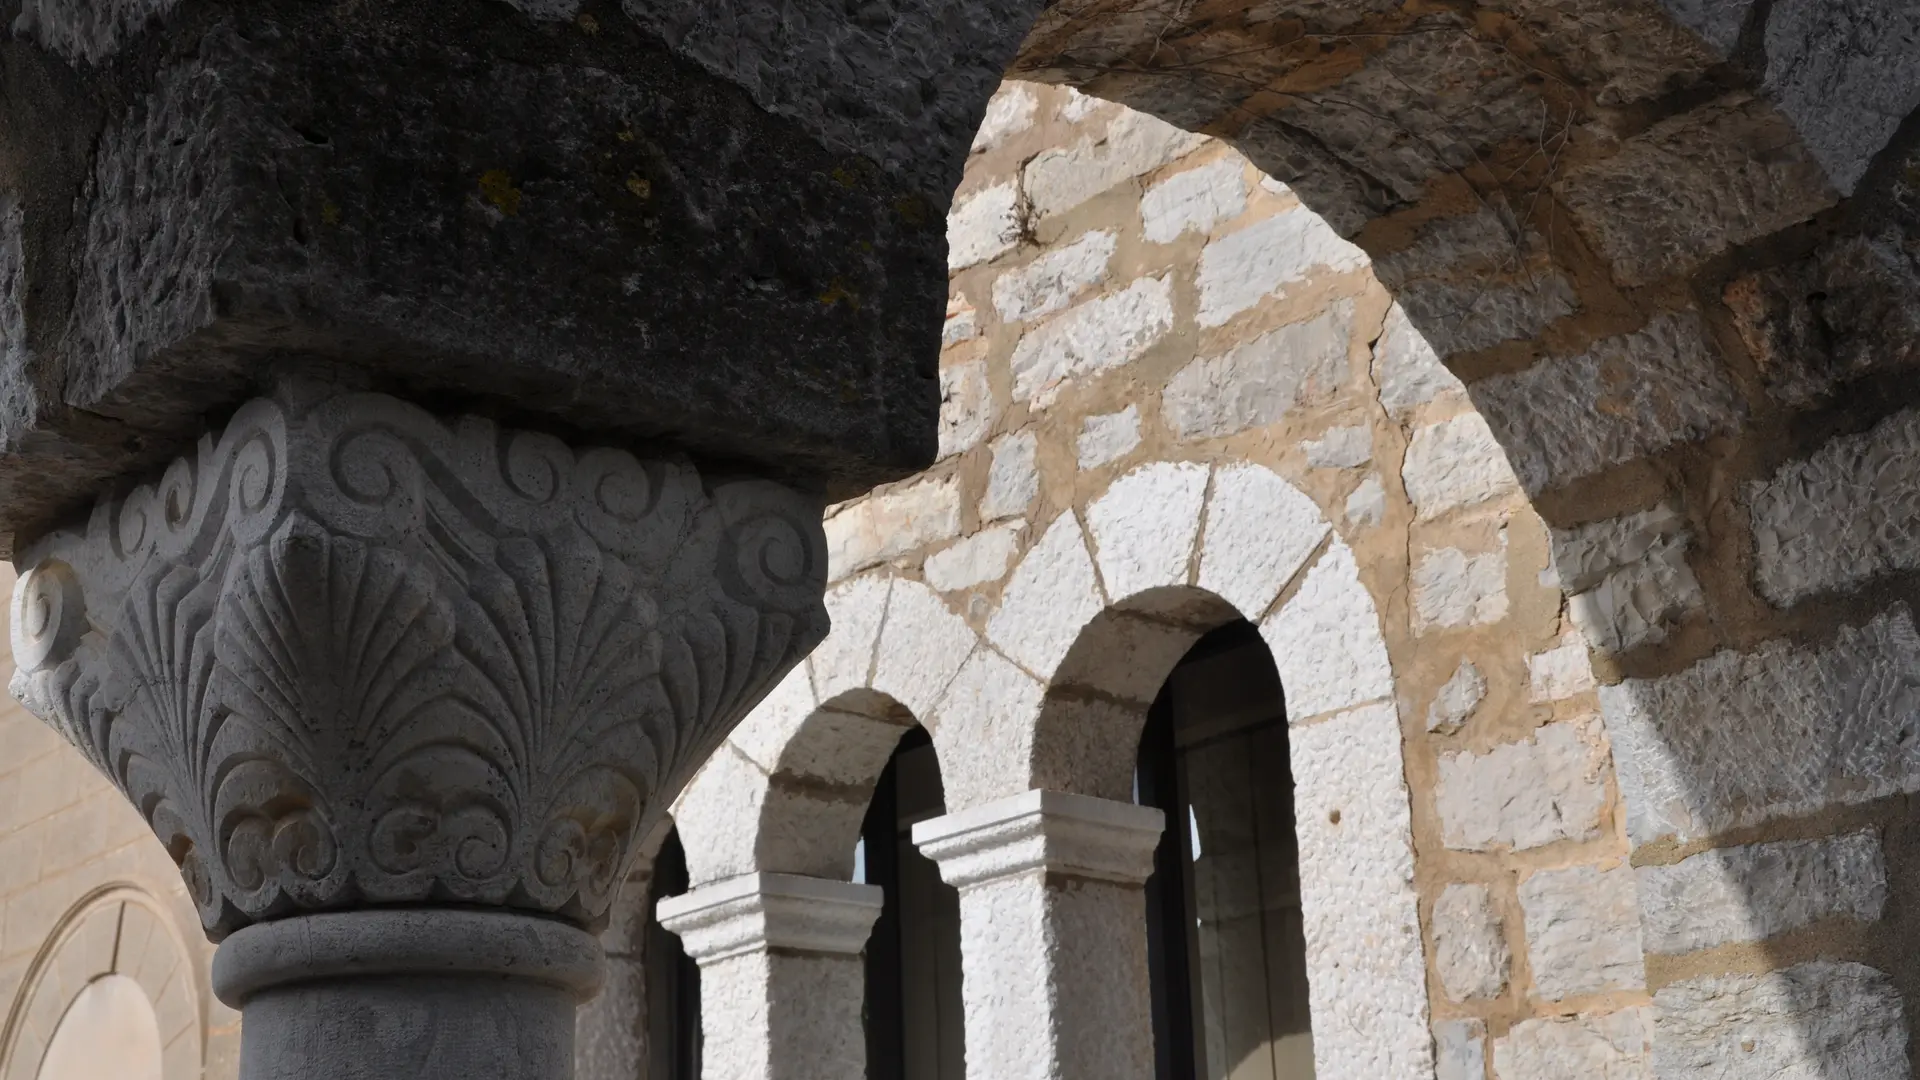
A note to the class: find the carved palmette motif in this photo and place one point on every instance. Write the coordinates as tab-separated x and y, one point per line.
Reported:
348	652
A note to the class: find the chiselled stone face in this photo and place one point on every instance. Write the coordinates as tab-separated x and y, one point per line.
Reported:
349	652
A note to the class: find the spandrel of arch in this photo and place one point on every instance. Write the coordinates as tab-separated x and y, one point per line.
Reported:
1226	947
915	1023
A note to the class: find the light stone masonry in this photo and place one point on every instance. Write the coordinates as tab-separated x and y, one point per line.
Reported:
880	527
1822	1021
1008	114
1460	1050
1098	335
1340	448
1194	200
1108	438
1260	531
1053	595
1367	506
1059	180
1054	280
1453	589
1740	738
1453	464
1583	931
1406	368
976	560
1014	479
1628	577
1240	270
1560	672
1759	891
983	225
967	409
1454	705
1470	943
1326	640
1543	789
1159	507
1615	1046
1260	382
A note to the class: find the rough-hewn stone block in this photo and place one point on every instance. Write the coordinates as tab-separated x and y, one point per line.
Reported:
1610	1047
1469	943
1452	588
1059	180
1239	270
1055	279
1195	200
1755	892
1740	738
983	226
1523	795
1819	1020
978	559
893	523
1108	438
1326	640
1628	577
1259	382
1099	334
967	408
1454	705
1454	463
1583	931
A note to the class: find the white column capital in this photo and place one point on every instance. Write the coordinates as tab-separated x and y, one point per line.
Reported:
1050	831
755	912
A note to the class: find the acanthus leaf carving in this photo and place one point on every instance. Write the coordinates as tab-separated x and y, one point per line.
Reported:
350	652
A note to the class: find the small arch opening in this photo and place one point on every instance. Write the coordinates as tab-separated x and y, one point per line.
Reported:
674	1039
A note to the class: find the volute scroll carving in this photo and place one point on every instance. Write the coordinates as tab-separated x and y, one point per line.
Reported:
349	652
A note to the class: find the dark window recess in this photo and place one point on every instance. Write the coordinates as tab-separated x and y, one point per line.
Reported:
914	1017
1225	944
673	980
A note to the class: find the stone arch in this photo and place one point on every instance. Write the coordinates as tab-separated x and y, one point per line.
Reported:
1102	610
122	930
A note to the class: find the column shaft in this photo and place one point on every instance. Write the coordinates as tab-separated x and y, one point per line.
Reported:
1053	934
781	976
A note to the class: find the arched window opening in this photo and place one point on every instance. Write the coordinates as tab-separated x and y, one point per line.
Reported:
914	1017
1225	943
673	978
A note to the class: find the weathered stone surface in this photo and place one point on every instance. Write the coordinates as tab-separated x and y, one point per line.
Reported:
1366	969
1583	931
1692	186
963	322
1326	640
1452	588
1818	1020
1340	448
1014	480
1260	531
1610	1047
1466	316
1740	738
1718	22
1108	438
1259	382
1623	53
1460	1050
1755	892
1240	270
1052	597
1368	504
1625	398
1053	280
1454	705
1542	789
1560	672
1848	309
1059	180
845	660
1145	526
1407	370
983	225
1846	74
925	645
1099	334
1469	943
967	408
976	560
1838	519
1455	463
890	524
1628	577
1195	200
1008	114
997	761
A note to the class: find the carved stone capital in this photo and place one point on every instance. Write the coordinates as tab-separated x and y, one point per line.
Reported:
1050	832
349	652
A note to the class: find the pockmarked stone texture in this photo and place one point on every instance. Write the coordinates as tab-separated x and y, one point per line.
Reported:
1052	595
1108	438
1008	114
1740	738
1560	672
578	227
1454	463
1819	1019
1460	1050
1326	640
1692	186
1523	795
1407	369
1583	931
1100	334
1158	509
1260	531
976	560
1013	481
1366	979
1826	523
1470	943
1260	382
1613	1046
346	653
1846	75
1758	891
1628	577
1624	398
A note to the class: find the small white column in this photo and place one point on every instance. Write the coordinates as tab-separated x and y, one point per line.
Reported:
781	979
1053	934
